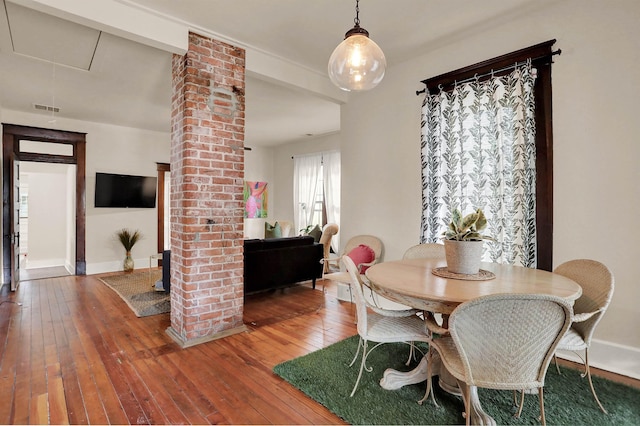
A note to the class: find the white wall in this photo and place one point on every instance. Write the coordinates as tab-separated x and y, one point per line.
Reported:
596	150
111	149
258	167
275	166
283	204
49	210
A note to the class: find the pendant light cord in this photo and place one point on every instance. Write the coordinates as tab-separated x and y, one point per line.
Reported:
356	20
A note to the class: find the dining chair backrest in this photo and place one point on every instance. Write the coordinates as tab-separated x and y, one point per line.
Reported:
358	295
425	251
506	341
368	240
597	284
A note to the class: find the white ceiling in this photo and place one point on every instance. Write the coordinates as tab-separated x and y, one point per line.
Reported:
110	79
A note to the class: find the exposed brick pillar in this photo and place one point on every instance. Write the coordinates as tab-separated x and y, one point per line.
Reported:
207	173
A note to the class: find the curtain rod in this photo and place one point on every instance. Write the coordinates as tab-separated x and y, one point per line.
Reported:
321	153
321	158
475	77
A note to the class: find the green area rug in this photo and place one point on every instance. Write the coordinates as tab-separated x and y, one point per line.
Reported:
136	289
326	377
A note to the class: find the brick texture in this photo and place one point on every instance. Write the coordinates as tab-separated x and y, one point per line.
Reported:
207	174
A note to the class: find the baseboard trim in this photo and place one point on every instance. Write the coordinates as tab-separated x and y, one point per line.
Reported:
619	359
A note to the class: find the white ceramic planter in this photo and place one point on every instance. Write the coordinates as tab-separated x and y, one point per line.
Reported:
463	257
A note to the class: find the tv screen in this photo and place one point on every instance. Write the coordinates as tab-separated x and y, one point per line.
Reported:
114	190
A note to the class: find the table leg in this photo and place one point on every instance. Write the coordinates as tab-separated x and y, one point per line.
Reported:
478	415
393	380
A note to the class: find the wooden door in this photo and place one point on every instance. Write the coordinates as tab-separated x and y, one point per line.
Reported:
15	226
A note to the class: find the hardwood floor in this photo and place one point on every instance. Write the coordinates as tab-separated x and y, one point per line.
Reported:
73	352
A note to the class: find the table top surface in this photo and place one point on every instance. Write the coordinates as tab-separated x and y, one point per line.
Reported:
414	279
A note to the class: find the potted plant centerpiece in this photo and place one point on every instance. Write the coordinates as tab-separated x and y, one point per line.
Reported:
128	239
463	242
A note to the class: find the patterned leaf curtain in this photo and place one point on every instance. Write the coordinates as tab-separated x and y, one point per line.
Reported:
478	151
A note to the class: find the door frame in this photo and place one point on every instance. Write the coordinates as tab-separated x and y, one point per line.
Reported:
162	168
12	134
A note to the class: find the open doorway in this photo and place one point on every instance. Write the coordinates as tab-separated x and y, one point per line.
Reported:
47	222
33	144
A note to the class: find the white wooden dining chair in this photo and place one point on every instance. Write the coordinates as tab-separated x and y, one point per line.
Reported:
502	341
340	276
381	325
424	251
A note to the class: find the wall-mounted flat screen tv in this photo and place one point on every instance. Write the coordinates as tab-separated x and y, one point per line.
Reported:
114	190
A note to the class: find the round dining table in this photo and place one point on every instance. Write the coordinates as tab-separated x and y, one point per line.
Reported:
412	282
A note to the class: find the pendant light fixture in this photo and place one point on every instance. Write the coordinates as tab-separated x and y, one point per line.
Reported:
357	63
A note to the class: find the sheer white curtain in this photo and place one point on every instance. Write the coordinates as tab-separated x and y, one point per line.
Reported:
306	172
478	151
331	179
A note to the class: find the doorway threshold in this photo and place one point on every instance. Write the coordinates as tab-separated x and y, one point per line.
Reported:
41	273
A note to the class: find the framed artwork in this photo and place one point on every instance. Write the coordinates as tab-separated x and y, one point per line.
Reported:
255	199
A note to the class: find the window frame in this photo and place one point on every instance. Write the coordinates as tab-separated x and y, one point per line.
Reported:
541	58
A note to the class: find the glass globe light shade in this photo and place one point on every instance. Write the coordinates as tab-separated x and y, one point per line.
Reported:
357	64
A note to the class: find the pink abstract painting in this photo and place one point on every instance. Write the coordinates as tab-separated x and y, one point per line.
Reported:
255	197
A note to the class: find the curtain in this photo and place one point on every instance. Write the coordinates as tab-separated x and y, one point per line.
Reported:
331	179
306	172
478	151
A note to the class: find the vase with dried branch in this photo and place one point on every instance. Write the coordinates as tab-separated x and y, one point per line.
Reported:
128	239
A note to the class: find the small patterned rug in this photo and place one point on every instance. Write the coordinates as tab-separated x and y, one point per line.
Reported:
136	289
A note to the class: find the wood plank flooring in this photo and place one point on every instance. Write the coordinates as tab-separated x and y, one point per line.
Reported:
74	353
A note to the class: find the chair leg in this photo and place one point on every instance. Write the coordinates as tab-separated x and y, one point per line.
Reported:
429	390
357	352
467	406
517	416
588	374
364	357
411	351
541	393
555	360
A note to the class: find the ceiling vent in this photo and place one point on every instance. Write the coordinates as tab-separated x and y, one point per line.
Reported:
46	108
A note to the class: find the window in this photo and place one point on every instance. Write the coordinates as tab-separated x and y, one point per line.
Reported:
316	190
460	148
319	214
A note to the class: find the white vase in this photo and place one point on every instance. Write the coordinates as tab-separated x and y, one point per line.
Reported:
463	257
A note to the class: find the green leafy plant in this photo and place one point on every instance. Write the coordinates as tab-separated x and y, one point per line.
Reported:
305	231
466	228
128	238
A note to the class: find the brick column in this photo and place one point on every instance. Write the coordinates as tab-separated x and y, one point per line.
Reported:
207	173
